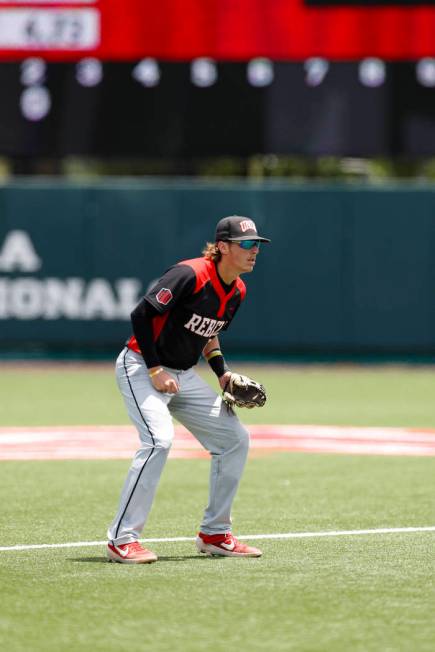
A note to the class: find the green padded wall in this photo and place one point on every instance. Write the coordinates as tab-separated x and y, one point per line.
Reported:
350	268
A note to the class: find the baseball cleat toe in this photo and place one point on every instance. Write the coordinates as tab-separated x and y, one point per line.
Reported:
130	553
224	545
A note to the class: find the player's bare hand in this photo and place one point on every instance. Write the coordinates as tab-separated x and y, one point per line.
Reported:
165	383
224	379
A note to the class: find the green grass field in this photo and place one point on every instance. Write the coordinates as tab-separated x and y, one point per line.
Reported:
378	396
367	592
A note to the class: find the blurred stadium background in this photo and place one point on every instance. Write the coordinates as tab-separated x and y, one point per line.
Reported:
126	134
127	131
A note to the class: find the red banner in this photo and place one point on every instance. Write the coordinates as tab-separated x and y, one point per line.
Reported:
221	29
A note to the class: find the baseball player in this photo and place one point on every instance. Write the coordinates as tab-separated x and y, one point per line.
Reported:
175	322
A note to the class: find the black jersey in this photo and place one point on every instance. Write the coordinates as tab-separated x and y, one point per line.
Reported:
193	306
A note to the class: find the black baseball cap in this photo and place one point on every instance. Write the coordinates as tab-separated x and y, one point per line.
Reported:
237	228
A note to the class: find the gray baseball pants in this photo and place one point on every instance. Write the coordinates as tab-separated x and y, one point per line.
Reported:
202	412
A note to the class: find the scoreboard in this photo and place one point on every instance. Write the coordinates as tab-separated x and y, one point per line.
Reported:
185	110
116	30
198	78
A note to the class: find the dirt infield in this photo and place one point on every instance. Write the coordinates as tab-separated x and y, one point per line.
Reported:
120	442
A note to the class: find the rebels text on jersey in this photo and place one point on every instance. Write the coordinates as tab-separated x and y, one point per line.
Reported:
193	305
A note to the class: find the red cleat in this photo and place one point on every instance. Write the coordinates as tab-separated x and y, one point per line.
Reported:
225	545
130	553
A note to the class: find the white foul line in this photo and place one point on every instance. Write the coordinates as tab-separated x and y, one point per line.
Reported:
286	535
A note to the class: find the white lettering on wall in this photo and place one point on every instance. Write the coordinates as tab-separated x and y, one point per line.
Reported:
30	298
99	300
128	291
26	299
18	253
62	298
70	298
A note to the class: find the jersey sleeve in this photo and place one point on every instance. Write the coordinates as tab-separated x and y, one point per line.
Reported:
176	283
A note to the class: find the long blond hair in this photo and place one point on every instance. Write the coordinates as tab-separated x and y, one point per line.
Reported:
211	252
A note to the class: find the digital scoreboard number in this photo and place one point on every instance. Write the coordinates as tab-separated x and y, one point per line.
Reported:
49	25
48	28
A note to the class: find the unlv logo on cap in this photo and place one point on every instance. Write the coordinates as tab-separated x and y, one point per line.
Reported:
247	224
164	296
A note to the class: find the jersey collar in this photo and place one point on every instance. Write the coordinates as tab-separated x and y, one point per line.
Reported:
218	286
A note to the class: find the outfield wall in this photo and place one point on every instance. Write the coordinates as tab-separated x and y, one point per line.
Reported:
350	269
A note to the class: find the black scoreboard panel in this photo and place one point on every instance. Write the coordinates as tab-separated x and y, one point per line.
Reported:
312	108
337	116
121	117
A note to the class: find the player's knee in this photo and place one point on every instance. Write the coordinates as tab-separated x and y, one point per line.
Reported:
162	443
157	436
243	437
158	444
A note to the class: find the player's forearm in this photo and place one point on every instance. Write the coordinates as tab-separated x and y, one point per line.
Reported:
211	344
215	358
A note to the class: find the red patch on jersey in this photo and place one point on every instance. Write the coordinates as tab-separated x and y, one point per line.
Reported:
164	296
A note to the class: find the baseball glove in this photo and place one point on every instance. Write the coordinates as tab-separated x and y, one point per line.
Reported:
242	391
